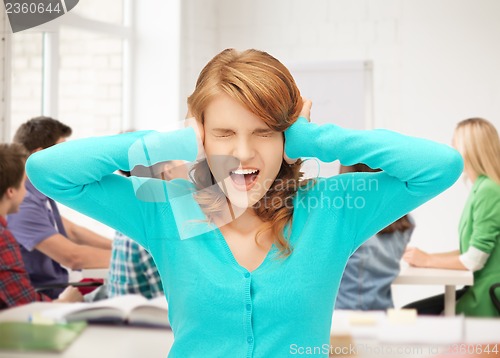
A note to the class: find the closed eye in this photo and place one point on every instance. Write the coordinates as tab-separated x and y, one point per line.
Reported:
264	133
222	133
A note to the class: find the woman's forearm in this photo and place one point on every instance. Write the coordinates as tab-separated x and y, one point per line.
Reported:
425	166
85	161
448	260
79	174
446	254
414	170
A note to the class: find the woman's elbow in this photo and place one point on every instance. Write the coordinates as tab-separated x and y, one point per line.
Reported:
33	166
41	169
452	166
36	169
456	163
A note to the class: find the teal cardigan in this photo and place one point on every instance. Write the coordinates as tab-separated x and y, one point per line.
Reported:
216	307
480	227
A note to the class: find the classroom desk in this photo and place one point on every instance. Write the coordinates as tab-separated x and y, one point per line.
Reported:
428	276
98	340
373	334
132	342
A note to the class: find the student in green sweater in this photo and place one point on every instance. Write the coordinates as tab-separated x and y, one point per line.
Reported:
479	229
250	255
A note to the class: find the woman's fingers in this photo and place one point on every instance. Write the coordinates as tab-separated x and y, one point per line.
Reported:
306	113
200	135
306	109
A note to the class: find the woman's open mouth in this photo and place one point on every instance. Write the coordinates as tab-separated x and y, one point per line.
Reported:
244	179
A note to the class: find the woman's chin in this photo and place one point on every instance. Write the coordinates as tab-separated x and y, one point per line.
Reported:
241	201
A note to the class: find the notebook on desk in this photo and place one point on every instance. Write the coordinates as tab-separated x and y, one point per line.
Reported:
25	336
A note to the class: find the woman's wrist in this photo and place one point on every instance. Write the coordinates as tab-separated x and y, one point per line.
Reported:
430	261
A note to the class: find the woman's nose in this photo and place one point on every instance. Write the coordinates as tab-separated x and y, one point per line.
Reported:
244	149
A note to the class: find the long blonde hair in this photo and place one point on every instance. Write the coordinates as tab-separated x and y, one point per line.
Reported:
478	142
265	87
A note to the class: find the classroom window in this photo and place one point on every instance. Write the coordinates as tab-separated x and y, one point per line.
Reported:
90	82
26	77
74	70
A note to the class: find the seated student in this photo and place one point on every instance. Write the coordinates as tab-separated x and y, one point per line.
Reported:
49	241
15	285
479	229
368	275
132	269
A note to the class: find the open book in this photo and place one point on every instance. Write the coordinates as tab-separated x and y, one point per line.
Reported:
127	309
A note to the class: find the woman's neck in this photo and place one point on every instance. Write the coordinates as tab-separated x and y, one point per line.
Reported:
247	222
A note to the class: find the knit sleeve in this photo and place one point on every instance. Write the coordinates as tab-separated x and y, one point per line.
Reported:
486	217
414	170
79	174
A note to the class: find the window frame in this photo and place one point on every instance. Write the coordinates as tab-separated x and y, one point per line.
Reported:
50	62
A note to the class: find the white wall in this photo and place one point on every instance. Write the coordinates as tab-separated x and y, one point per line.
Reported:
157	61
435	63
199	43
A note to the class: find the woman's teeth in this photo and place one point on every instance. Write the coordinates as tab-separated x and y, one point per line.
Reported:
244	171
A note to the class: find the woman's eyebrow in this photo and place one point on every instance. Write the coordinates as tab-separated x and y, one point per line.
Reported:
263	130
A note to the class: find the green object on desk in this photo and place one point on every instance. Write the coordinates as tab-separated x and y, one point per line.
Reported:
24	336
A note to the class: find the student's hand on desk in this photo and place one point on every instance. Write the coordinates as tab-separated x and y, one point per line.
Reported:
416	257
70	294
306	113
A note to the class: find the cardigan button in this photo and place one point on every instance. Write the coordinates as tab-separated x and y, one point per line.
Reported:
247	274
249	307
249	339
